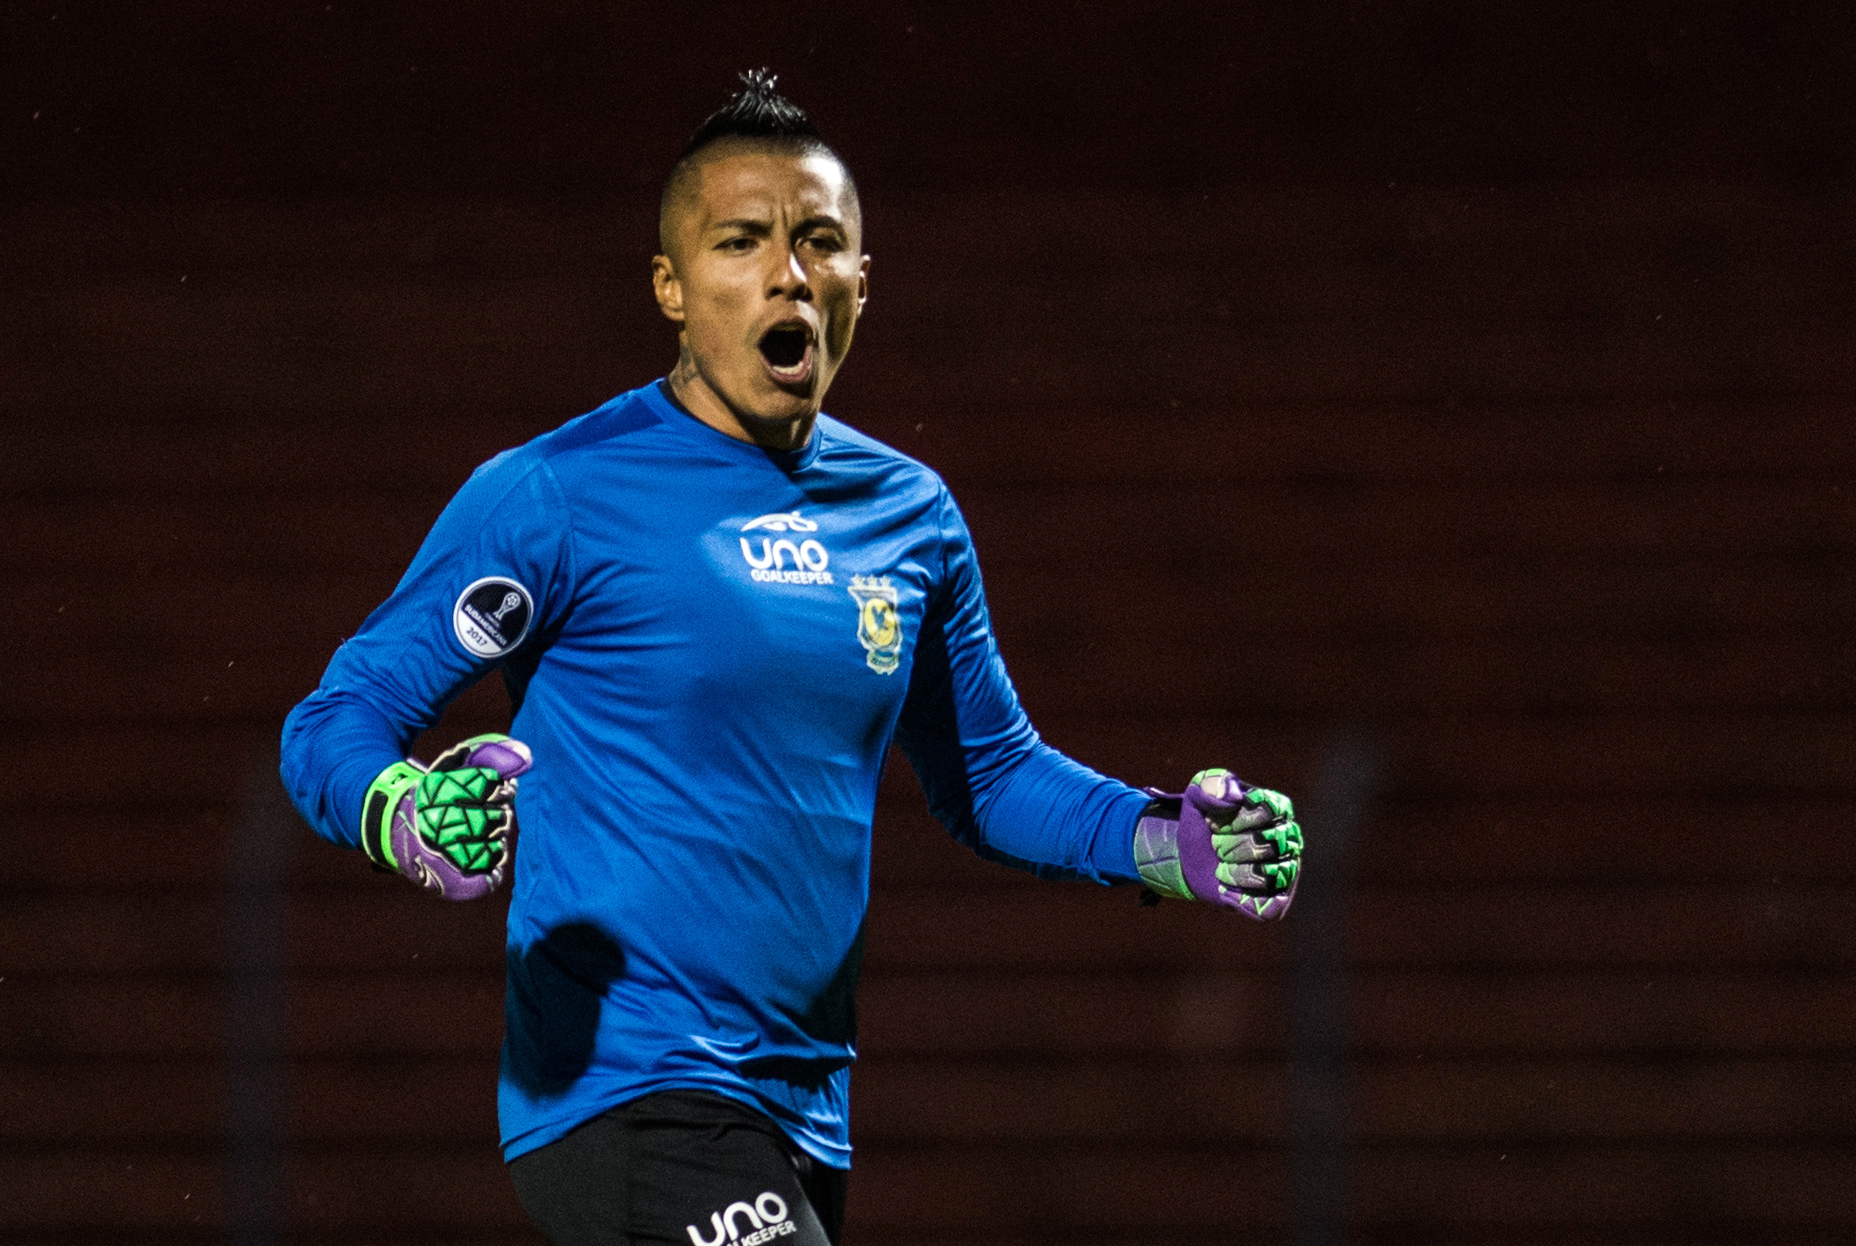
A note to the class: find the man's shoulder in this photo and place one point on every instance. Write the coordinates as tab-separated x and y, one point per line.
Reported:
847	447
629	412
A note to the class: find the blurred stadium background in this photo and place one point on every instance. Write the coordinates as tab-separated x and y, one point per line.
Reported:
1445	412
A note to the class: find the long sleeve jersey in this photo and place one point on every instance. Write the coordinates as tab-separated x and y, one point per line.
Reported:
710	647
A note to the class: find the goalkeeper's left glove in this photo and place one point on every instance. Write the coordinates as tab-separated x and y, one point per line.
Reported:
1223	842
447	827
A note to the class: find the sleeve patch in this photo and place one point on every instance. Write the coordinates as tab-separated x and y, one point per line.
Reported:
492	616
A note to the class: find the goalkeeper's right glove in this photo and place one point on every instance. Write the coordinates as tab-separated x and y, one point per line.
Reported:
1223	842
447	827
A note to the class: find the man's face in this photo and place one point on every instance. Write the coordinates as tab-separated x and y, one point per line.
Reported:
765	275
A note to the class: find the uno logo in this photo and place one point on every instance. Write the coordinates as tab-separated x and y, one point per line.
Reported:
785	521
782	560
766	1218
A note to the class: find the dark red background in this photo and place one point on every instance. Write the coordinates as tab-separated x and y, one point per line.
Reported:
1479	374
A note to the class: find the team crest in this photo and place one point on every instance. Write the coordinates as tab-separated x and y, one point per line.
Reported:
879	626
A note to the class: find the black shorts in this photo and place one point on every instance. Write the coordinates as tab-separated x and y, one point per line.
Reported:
679	1168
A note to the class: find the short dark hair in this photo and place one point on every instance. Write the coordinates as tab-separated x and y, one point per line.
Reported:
758	114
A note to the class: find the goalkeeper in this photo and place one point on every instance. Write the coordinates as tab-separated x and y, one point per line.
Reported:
714	608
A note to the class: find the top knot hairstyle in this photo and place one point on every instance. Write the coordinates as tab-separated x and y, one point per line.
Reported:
757	114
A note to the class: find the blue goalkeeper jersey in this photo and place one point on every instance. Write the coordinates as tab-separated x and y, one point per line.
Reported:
710	647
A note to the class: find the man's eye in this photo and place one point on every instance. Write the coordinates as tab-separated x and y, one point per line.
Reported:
824	242
743	243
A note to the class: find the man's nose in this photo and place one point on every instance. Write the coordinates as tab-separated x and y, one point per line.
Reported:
789	280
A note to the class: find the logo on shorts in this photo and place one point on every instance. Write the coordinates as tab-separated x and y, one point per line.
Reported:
492	616
782	560
765	1219
879	626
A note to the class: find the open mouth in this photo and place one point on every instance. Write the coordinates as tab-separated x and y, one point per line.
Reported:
787	348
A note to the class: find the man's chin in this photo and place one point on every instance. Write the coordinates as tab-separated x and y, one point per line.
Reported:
768	412
770	403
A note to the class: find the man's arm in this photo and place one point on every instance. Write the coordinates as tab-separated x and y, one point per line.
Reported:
990	780
494	575
1012	798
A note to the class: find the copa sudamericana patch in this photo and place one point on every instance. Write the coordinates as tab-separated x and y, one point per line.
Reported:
492	616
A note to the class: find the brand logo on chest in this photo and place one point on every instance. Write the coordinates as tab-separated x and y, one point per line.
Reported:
782	558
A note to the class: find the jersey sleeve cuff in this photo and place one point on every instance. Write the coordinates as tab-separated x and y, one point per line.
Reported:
1112	854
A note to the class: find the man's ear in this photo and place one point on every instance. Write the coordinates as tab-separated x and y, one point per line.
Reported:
667	288
863	282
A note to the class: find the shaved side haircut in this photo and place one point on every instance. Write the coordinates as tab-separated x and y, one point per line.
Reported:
758	115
